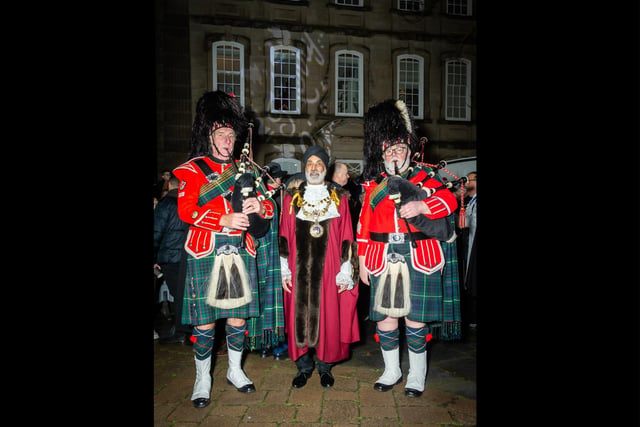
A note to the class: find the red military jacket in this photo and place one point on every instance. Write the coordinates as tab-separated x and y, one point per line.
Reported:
205	218
427	257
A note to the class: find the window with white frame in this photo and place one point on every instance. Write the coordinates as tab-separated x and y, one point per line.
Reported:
410	83
228	68
411	5
285	80
458	90
459	7
349	2
354	167
349	83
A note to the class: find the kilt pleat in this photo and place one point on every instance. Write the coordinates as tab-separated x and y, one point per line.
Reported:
267	329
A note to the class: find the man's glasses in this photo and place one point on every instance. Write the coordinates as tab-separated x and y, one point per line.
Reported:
400	150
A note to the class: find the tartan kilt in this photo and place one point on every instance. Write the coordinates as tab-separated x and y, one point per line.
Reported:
435	298
195	310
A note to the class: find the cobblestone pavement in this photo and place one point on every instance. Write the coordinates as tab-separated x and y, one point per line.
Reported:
449	398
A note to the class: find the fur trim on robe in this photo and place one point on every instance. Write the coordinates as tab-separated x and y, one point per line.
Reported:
310	260
309	267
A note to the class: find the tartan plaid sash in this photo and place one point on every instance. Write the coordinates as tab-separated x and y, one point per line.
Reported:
223	183
218	186
379	193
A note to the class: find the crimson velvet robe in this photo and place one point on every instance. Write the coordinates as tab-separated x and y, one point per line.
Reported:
336	315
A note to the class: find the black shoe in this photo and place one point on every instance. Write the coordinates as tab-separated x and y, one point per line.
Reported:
280	352
410	392
385	387
200	402
326	379
300	380
248	388
281	356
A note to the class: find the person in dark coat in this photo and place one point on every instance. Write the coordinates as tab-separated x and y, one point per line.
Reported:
470	287
279	176
169	233
162	185
339	173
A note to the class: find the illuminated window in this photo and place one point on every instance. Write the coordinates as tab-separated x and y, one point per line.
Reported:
459	7
285	80
410	83
228	68
458	90
349	83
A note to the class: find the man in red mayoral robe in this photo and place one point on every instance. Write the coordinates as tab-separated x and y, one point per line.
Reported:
320	290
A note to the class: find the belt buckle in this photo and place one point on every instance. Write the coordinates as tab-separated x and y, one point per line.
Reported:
396	237
227	250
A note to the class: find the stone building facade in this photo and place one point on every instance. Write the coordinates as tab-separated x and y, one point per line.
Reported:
307	71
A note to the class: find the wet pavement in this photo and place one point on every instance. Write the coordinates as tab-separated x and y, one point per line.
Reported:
449	398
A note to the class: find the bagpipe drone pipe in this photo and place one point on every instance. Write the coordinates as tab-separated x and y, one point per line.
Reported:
249	179
403	191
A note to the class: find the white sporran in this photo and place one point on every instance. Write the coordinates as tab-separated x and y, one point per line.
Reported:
230	284
392	294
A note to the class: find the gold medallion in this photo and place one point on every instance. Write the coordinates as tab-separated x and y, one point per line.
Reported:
316	230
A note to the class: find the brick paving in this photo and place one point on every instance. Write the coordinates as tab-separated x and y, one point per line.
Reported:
449	398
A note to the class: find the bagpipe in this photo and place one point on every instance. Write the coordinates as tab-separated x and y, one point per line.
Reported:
230	282
402	191
249	180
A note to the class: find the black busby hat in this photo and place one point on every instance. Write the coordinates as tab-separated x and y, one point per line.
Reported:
214	110
386	124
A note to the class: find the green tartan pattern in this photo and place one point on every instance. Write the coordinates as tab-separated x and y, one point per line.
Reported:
267	330
195	310
380	192
451	326
215	188
435	298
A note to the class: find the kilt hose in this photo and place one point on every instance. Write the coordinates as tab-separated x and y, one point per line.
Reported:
435	298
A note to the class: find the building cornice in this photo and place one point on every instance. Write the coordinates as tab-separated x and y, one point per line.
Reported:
468	37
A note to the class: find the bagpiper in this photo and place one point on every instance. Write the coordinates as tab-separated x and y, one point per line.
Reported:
406	245
232	274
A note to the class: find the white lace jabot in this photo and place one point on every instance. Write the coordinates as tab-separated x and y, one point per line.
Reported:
312	195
